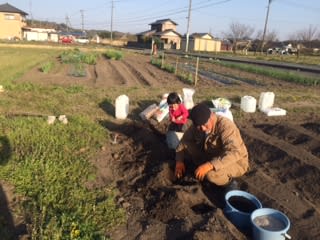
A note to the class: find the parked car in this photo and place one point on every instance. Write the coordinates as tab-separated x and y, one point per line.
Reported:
66	39
82	40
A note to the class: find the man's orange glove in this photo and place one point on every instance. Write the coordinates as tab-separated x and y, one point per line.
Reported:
180	169
202	170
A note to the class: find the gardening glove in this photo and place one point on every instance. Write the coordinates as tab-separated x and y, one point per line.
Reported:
180	169
202	170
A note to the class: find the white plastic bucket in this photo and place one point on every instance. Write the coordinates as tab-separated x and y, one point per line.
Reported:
269	224
122	107
248	104
266	100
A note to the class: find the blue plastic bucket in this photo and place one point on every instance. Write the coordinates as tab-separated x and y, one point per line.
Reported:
239	206
269	224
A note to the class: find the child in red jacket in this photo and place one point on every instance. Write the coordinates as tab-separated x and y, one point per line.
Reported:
178	114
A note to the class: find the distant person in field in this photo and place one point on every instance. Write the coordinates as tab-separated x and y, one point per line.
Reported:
214	144
154	49
178	114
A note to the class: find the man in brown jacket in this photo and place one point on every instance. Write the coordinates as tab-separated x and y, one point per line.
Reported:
214	145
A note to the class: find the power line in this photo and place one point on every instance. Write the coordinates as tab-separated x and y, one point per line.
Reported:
175	11
142	19
299	5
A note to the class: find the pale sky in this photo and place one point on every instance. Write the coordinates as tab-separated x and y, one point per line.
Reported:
285	16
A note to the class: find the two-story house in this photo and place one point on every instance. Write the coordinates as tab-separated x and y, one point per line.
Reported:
165	30
12	20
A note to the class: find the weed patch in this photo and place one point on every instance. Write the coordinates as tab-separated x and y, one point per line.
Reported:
47	67
78	60
48	165
283	75
113	54
165	66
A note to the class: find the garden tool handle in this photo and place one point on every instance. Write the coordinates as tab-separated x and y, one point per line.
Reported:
286	236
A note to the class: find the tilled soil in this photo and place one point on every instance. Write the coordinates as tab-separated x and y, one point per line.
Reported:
284	158
284	175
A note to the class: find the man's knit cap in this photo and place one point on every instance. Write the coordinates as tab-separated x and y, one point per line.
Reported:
200	114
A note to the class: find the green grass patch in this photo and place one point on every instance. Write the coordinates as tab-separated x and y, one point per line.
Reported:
48	166
302	59
282	75
16	61
113	54
186	77
76	56
47	67
165	66
78	60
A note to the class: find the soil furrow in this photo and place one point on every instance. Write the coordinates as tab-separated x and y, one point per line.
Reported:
314	127
118	72
304	177
138	74
293	135
106	75
285	146
286	198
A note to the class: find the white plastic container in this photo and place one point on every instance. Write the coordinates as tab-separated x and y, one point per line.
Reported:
221	103
248	104
187	97
275	111
51	119
122	107
225	113
266	100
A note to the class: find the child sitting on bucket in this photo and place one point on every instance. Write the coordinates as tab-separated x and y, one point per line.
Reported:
178	114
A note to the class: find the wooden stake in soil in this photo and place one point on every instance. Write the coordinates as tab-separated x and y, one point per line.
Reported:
162	60
176	69
196	75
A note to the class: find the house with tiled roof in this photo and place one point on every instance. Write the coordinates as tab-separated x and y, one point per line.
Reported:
12	20
165	31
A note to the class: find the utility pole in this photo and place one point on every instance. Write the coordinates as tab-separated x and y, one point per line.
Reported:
188	26
67	23
82	20
111	25
265	26
30	6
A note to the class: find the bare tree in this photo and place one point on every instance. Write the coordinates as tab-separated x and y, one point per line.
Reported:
307	34
292	37
238	31
271	36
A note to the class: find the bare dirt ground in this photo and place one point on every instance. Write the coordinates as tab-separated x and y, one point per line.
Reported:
284	157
